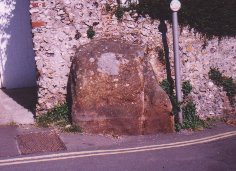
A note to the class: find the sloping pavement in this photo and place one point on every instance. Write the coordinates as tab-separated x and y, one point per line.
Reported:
209	150
85	142
14	106
8	146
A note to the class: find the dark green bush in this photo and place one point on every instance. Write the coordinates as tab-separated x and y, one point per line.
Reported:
186	88
208	17
215	75
230	87
165	85
119	12
191	120
227	83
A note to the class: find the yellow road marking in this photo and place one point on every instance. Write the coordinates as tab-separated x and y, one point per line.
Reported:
113	150
72	155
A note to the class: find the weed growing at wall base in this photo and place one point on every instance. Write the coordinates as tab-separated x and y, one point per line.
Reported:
186	88
166	86
191	120
57	114
59	117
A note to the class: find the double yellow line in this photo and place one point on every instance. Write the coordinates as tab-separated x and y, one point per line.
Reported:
82	154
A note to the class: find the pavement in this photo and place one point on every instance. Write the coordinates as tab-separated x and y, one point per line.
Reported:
210	149
218	145
17	106
83	142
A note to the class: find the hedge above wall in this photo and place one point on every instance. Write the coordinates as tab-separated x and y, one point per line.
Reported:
208	17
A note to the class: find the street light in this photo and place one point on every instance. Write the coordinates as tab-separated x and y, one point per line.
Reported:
175	6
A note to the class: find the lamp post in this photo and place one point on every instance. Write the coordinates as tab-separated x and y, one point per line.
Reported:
175	6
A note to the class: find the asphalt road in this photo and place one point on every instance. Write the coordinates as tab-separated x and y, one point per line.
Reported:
219	155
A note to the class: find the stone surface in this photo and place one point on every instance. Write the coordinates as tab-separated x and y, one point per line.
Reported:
115	91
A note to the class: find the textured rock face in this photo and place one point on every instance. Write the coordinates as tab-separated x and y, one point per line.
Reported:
115	91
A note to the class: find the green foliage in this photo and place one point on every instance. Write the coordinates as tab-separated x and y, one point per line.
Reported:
191	120
90	32
119	12
227	83
230	87
211	18
166	86
58	116
156	9
208	17
178	127
186	88
215	75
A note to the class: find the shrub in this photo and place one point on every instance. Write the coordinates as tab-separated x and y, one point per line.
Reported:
119	12
165	85
186	88
227	83
210	18
191	120
215	75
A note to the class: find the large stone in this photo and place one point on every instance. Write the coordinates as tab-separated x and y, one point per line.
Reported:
115	91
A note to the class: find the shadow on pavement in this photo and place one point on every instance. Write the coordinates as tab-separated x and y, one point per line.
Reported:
26	97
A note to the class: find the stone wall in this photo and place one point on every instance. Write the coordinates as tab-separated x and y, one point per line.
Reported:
60	27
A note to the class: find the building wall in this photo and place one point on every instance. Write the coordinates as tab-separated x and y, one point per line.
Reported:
17	64
60	27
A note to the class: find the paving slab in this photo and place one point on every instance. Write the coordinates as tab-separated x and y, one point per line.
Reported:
8	145
80	142
12	109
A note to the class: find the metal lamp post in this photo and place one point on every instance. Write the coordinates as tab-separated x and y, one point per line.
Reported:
175	6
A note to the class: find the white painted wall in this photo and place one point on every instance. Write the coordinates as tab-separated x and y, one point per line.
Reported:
17	64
